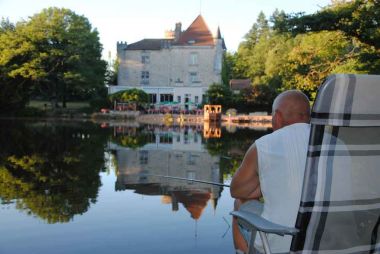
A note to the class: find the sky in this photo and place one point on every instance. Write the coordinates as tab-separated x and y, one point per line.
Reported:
134	20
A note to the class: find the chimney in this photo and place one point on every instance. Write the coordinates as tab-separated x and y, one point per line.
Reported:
177	31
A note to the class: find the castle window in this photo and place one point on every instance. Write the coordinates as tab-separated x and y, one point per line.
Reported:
191	159
152	98
166	97
196	99
143	157
193	77
193	59
145	77
166	139
145	59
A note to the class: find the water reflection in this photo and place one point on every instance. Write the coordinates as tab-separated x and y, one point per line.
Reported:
146	156
79	176
177	153
43	169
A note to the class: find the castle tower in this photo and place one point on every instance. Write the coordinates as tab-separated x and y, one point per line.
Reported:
177	31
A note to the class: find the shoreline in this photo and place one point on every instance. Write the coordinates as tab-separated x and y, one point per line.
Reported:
184	119
135	119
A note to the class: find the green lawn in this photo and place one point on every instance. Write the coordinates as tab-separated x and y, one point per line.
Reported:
69	105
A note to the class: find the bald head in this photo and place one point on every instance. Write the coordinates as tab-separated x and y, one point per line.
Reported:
290	107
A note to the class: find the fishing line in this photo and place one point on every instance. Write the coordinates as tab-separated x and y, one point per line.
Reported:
188	179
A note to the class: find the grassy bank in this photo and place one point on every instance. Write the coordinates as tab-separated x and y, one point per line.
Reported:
46	105
44	109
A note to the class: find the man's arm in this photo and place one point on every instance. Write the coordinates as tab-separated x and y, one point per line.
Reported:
245	183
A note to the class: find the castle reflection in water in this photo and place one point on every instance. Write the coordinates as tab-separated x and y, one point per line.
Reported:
171	152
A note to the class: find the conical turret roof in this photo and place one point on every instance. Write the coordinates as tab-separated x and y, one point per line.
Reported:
197	34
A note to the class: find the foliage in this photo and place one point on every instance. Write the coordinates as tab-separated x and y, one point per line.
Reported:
133	95
99	103
51	170
315	56
276	60
357	18
228	66
219	94
56	53
111	73
13	91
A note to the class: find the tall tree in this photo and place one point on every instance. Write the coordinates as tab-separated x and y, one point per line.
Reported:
315	56
228	65
251	52
13	91
357	18
58	51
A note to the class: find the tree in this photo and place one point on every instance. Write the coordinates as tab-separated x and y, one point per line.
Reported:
317	55
357	18
13	92
56	51
279	54
219	94
134	96
228	68
251	53
6	25
112	72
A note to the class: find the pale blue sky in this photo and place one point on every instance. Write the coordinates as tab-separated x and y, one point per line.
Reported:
133	20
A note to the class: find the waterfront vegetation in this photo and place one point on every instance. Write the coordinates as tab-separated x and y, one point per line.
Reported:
55	55
298	51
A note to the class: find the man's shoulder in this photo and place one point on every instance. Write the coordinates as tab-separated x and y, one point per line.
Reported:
293	129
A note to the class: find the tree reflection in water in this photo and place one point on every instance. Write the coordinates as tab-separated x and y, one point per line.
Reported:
51	170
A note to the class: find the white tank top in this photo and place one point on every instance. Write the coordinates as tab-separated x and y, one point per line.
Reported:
281	162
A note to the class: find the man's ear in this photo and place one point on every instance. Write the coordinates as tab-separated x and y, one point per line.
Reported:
279	119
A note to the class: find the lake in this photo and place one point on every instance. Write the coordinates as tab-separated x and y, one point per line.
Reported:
83	187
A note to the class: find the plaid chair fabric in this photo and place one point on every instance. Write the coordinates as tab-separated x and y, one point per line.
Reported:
340	204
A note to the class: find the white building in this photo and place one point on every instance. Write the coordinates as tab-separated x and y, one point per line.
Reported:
177	69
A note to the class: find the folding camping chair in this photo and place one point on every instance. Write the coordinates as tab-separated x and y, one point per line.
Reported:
339	210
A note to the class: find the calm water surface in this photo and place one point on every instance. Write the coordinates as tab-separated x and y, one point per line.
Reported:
98	188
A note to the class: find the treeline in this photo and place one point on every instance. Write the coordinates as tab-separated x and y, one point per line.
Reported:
297	51
54	55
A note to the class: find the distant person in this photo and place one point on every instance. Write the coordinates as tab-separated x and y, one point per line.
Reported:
273	168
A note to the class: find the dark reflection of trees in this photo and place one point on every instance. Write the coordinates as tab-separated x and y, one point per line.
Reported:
51	170
232	147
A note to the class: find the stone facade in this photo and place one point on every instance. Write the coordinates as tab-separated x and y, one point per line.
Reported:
178	69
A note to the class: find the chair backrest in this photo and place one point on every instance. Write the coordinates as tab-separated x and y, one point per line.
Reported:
340	204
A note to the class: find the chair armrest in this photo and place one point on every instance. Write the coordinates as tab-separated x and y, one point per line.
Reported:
255	222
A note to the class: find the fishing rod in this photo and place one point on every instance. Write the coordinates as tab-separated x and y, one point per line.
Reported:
190	180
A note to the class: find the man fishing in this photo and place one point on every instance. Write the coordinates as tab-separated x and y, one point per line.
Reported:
273	168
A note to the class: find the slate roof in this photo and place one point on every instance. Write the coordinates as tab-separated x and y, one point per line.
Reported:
149	44
197	34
